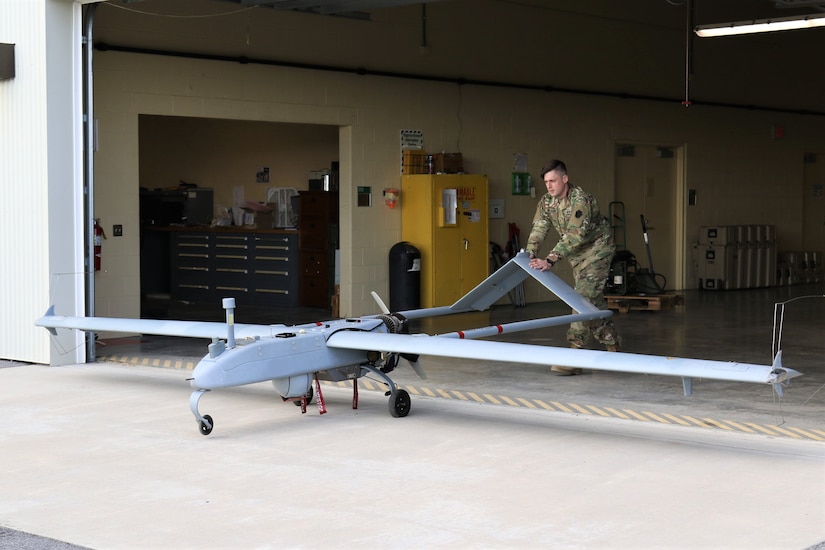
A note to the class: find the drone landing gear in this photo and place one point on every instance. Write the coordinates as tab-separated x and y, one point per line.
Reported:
399	403
205	423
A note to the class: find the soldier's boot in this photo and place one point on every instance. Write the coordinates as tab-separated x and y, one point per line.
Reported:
566	371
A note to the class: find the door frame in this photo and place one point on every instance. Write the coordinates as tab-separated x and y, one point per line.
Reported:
679	243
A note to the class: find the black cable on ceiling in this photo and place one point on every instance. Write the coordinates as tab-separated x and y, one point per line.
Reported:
362	71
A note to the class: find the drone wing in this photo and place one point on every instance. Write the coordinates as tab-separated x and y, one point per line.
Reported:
189	329
485	350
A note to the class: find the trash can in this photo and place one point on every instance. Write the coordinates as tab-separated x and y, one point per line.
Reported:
405	277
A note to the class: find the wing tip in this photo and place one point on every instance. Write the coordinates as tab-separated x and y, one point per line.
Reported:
49	313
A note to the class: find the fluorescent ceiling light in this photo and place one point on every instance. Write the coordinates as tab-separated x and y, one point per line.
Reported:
760	25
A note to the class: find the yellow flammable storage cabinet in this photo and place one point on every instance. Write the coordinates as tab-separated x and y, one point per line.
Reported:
445	217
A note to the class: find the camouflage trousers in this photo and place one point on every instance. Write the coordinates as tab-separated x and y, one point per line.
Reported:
590	278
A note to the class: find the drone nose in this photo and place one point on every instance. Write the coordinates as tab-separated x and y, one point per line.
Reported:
207	375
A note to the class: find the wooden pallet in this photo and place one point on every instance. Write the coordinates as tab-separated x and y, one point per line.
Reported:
648	302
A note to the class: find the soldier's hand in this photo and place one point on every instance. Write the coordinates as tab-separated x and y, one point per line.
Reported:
540	263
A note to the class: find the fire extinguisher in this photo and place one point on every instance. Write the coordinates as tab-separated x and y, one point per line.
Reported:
99	236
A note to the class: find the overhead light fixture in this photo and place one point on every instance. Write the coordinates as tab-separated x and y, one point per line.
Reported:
760	25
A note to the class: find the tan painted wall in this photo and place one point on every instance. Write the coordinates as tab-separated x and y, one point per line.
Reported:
741	175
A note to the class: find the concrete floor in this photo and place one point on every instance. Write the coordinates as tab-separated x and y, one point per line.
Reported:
107	456
492	455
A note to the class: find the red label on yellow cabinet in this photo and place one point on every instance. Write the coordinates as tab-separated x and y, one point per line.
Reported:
466	193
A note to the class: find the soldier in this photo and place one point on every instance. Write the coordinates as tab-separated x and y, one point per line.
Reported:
586	241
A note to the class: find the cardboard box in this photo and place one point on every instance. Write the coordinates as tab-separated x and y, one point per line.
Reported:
335	303
448	163
264	220
264	217
412	161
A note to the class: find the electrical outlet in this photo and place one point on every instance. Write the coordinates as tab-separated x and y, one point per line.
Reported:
117	230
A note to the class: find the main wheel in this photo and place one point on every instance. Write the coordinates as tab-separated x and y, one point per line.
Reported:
206	427
400	403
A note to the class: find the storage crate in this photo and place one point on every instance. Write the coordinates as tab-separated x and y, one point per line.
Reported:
717	267
412	161
448	163
720	234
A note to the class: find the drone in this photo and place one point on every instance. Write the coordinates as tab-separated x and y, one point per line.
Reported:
295	358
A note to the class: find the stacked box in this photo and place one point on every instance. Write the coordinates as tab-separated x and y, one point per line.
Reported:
413	161
783	273
794	266
770	255
801	267
716	267
448	163
721	235
737	256
756	259
716	260
815	266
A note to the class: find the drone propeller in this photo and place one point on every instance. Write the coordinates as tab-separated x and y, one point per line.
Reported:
411	359
381	305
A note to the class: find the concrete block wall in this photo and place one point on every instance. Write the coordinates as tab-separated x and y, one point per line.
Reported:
371	111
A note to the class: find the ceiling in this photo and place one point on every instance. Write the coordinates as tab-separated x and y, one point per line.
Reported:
620	48
351	8
361	8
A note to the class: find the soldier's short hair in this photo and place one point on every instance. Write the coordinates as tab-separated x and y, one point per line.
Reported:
554	164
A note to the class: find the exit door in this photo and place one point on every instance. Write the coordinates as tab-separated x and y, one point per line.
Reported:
649	183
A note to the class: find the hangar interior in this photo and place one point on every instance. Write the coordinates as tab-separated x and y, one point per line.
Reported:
713	141
238	97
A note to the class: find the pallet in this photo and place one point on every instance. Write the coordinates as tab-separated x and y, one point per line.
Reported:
648	302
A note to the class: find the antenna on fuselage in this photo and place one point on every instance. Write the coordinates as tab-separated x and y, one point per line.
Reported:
229	306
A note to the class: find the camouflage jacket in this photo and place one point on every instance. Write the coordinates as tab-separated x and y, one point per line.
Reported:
584	233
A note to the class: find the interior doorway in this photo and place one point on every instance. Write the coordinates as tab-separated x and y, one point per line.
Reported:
650	184
237	164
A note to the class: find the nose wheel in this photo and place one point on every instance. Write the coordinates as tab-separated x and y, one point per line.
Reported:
205	423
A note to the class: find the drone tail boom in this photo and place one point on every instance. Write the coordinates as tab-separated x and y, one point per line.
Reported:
505	279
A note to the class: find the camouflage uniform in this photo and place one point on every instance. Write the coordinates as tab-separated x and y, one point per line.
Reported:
587	243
